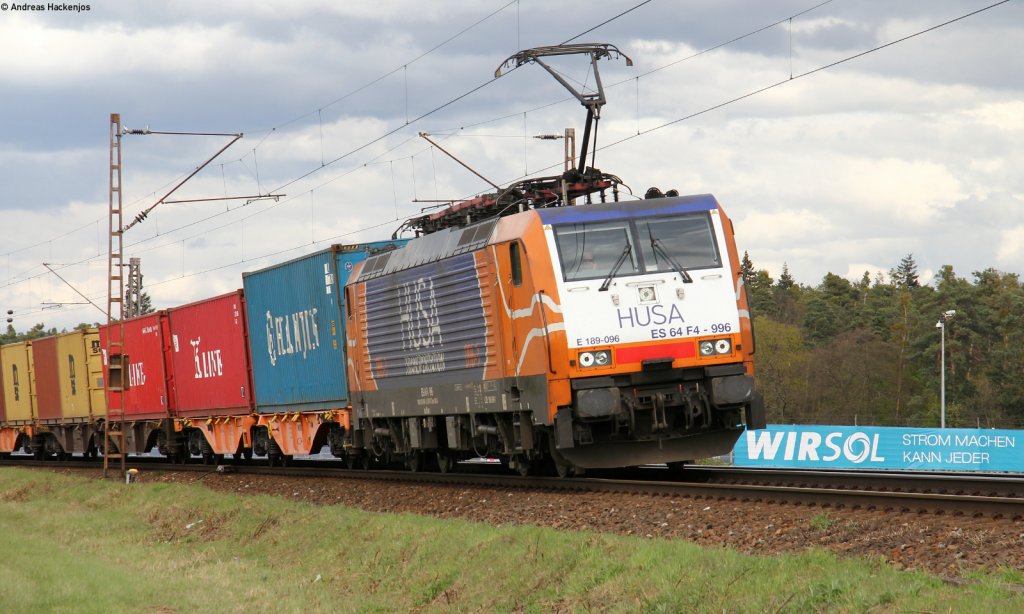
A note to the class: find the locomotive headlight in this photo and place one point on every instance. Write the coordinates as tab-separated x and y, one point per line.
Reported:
715	347
600	358
647	294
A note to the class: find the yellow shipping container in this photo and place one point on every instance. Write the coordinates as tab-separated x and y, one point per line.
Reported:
19	392
97	394
80	372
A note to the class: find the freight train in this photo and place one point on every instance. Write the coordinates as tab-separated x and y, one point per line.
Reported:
558	339
518	325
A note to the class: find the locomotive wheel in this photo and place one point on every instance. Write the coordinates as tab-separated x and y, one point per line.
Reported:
366	461
563	469
350	461
524	466
562	466
445	461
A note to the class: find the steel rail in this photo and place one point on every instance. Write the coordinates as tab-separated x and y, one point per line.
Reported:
995	506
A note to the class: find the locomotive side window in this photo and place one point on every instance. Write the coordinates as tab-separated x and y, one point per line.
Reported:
688	240
593	250
515	259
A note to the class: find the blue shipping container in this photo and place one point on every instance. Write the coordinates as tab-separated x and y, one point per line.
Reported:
297	328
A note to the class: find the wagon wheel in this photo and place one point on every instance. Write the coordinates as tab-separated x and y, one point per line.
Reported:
524	465
445	461
414	461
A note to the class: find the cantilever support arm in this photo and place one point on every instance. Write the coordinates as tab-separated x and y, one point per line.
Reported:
141	216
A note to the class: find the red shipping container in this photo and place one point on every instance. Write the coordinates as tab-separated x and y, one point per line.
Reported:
209	357
146	347
3	407
44	370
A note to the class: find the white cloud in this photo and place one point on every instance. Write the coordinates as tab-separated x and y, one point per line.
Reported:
910	150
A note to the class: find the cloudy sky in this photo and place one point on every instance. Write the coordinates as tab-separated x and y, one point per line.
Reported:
908	149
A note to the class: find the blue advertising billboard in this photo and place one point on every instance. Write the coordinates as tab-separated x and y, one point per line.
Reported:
876	447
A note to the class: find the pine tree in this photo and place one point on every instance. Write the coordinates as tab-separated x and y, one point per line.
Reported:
145	304
905	275
747	267
786	280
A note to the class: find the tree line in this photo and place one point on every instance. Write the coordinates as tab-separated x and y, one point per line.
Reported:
868	352
40	330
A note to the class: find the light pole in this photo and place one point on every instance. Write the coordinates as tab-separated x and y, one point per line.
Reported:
941	325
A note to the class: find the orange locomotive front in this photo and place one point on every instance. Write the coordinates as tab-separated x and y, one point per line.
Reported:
574	337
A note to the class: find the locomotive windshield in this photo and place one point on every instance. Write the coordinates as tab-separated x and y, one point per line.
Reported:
591	250
686	239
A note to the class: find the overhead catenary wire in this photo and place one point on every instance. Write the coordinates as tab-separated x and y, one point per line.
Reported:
271	130
404	66
606	146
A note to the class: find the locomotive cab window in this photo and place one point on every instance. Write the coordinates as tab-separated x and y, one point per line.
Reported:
633	246
595	250
516	263
688	240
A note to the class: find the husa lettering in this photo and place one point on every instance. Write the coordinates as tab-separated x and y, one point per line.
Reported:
648	315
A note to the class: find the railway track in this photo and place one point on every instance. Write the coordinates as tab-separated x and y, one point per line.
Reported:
953	494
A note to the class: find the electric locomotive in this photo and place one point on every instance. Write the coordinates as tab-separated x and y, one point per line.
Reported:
520	325
603	335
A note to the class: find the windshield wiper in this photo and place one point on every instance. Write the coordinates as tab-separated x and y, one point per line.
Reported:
615	269
660	249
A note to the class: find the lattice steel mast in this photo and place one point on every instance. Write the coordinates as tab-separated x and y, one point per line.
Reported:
114	435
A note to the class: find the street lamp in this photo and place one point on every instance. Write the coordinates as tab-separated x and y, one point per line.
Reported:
941	324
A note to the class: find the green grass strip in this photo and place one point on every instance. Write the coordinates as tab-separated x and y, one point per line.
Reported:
74	544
